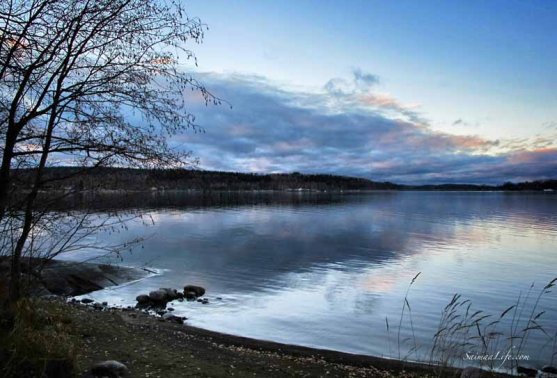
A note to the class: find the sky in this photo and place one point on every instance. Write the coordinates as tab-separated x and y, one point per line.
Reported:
403	91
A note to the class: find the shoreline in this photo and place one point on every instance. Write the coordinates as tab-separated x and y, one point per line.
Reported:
330	355
206	344
149	344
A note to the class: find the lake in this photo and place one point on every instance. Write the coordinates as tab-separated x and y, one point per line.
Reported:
331	270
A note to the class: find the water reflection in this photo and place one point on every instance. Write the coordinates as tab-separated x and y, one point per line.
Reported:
326	269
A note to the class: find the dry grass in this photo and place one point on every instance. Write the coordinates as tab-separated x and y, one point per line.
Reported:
463	330
39	343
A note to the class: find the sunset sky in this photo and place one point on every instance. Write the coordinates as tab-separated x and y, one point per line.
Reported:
404	91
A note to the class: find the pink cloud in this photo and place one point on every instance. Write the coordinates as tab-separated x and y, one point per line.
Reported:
379	100
534	156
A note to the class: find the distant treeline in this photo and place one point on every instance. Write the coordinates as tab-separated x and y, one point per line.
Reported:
69	178
531	185
538	185
76	179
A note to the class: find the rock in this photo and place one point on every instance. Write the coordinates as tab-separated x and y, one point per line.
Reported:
171	294
161	312
105	304
70	278
529	372
97	306
205	301
158	297
111	368
189	295
197	290
471	372
200	300
173	318
87	300
143	299
549	369
170	309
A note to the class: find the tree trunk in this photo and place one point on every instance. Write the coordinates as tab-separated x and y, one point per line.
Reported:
5	169
15	270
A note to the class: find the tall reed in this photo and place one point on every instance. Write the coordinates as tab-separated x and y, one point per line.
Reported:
466	335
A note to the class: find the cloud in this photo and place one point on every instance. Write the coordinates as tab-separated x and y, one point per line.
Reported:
360	82
348	129
359	92
461	122
363	79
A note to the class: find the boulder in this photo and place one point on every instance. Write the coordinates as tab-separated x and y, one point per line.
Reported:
197	290
70	278
549	369
171	294
143	299
190	295
111	368
173	318
87	300
158	297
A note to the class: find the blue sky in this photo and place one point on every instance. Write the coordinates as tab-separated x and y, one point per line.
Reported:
407	91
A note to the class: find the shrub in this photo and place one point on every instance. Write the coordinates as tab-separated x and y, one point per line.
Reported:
37	343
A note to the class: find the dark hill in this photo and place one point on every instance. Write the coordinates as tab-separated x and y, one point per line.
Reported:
75	178
64	178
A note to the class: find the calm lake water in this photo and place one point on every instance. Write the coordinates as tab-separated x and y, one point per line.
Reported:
329	270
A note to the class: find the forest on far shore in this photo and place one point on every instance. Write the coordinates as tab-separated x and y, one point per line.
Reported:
76	179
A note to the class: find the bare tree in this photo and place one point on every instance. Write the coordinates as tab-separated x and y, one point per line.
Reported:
88	83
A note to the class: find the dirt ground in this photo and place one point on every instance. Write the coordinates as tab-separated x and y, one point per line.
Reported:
153	348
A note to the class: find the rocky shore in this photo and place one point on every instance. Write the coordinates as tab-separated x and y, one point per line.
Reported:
149	341
42	277
154	346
